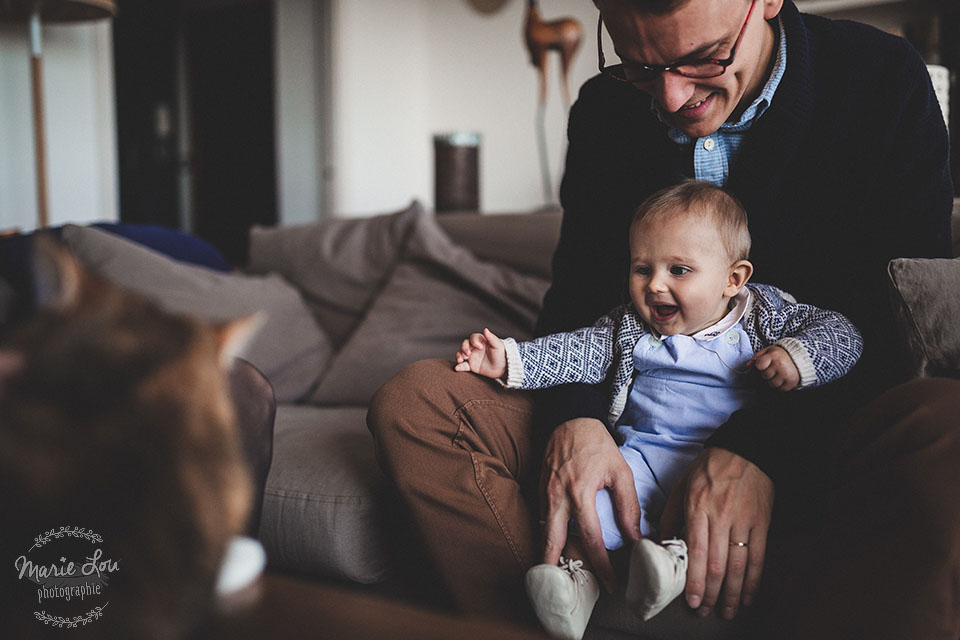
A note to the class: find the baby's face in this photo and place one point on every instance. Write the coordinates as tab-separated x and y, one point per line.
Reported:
679	274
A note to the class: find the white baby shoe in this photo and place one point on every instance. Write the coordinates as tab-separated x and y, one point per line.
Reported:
658	574
563	597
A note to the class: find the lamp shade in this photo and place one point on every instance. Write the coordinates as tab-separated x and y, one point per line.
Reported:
57	10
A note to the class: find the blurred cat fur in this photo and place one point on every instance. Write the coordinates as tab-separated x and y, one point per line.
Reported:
115	415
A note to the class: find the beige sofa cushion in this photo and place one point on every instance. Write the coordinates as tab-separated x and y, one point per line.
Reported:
524	241
338	265
435	297
324	509
289	348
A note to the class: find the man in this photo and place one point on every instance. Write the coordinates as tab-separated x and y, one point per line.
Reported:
830	135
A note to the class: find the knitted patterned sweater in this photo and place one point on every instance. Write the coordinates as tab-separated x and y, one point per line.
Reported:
823	344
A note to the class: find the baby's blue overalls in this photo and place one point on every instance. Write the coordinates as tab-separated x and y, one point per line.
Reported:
681	392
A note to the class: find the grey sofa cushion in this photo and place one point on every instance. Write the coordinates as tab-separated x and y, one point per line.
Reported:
324	505
524	241
926	305
289	348
436	296
339	264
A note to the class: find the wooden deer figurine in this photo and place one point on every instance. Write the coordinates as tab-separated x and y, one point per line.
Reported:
561	35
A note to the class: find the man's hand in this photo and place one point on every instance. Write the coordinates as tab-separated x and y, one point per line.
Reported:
581	459
722	499
777	368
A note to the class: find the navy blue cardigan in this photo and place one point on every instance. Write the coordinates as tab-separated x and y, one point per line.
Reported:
847	169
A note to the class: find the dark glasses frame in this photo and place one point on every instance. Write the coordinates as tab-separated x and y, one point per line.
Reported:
708	67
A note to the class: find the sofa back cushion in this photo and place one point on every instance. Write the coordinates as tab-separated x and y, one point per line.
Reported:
17	262
289	348
925	294
339	264
437	294
926	304
523	241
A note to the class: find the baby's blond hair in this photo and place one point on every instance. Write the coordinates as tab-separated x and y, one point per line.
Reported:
700	199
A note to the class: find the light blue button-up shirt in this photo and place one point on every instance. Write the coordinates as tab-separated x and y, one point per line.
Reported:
713	154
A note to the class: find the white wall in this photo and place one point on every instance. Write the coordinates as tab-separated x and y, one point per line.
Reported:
379	104
403	71
80	125
300	64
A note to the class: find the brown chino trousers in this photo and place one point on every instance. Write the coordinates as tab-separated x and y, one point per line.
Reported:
885	563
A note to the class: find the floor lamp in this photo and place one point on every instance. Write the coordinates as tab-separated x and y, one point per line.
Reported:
36	12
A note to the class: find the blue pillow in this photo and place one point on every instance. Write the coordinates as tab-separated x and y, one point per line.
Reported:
171	243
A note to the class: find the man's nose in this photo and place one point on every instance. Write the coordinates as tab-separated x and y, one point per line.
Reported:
672	91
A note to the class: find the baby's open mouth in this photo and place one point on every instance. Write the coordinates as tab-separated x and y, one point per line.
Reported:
664	312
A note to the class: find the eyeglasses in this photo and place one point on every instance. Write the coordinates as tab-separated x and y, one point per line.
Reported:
638	73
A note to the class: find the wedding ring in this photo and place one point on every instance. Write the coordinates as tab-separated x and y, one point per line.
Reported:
739	544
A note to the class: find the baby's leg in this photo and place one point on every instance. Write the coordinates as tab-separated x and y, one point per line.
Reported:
563	596
650	495
657	571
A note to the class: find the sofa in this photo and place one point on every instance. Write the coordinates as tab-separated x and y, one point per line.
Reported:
347	302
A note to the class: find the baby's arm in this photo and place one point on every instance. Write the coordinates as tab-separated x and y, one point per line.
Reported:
583	355
822	345
483	354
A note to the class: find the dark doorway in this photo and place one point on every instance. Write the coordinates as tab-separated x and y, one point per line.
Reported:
145	73
229	65
204	67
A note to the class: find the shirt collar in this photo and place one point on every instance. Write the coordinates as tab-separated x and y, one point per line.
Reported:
756	108
738	307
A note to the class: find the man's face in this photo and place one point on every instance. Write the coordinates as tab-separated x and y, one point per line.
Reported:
698	29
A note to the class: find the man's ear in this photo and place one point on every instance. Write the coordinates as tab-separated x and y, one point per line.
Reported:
771	8
740	273
234	336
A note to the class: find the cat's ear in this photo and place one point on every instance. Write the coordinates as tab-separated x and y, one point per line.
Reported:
10	363
235	336
59	280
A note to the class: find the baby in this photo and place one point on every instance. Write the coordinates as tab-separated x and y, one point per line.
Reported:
680	359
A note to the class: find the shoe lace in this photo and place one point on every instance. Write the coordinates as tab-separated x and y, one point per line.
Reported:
679	549
574	568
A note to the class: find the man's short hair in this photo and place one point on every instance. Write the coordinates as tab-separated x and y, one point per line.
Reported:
700	199
656	7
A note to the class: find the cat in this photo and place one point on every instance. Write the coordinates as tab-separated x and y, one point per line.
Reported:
115	416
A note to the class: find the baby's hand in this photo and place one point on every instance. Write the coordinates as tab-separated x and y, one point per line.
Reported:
777	368
482	353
